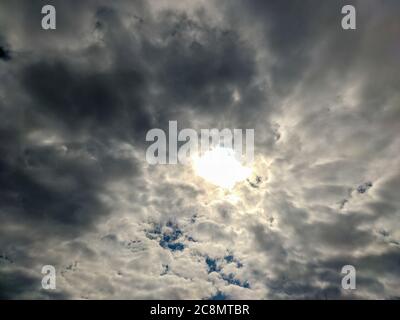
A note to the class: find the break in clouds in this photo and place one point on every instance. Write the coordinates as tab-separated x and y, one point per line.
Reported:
77	193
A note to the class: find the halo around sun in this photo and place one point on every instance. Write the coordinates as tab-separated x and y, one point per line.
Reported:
220	167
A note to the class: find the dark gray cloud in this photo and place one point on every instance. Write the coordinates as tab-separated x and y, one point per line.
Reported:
76	192
5	54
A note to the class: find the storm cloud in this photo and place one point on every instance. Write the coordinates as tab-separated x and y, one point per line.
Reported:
77	193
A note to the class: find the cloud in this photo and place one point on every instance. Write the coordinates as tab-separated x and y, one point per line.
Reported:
76	192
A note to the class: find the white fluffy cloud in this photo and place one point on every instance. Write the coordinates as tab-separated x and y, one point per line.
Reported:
76	190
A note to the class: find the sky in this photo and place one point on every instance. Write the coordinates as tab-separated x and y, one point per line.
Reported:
77	193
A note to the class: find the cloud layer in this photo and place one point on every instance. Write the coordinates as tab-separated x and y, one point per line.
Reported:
76	191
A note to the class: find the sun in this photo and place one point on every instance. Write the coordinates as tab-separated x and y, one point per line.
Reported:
220	167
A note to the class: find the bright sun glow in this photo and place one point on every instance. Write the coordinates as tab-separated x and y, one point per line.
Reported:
220	167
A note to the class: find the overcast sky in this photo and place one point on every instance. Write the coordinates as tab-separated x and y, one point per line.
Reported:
77	193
